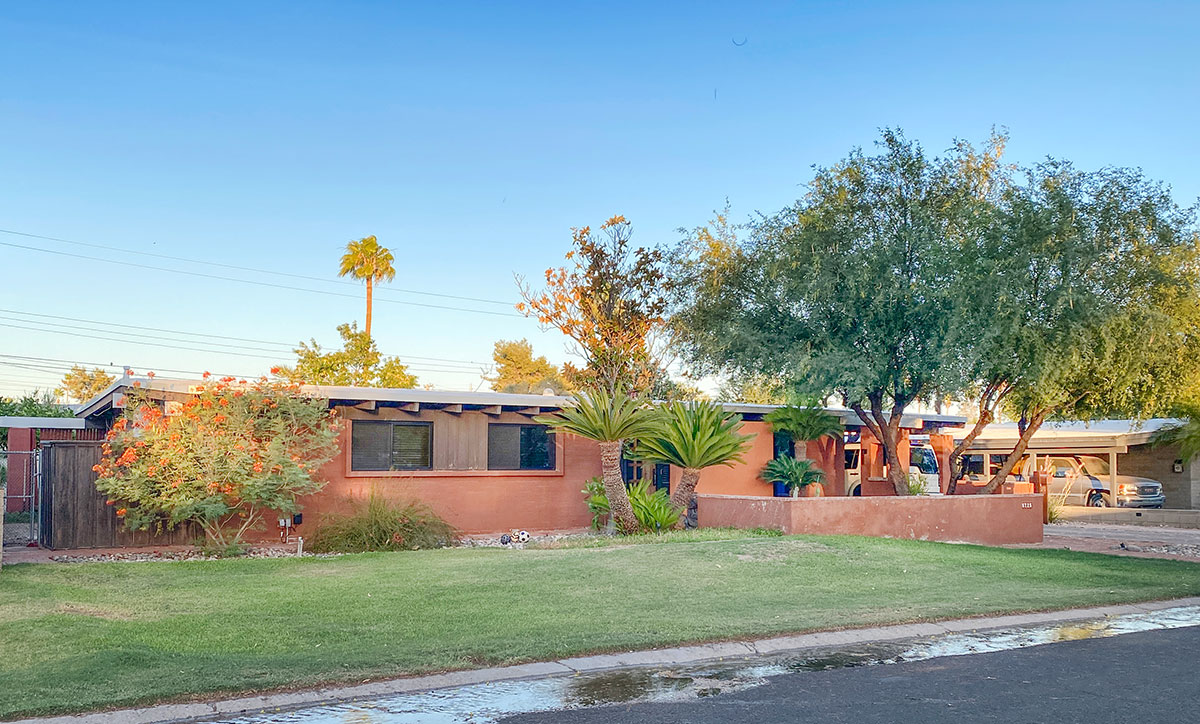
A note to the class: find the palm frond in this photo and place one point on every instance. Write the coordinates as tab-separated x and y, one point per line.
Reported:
793	472
599	416
804	423
695	435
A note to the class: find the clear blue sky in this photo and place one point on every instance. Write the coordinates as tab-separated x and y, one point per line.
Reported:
469	138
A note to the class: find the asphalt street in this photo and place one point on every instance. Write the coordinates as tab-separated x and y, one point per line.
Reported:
1142	677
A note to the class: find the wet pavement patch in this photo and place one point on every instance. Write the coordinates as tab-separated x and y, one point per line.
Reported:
486	703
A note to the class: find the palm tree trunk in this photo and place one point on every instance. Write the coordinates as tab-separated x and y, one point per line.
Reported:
682	495
614	487
370	288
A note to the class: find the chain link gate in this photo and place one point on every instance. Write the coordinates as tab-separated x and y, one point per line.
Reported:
20	472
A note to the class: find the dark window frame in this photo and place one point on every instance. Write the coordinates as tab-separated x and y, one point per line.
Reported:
392	467
551	447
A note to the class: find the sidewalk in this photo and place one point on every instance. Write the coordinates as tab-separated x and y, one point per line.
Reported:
682	655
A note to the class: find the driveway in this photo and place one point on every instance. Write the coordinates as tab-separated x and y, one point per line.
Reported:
1128	540
1141	677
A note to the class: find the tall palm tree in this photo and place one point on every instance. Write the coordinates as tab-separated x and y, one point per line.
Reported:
609	420
365	259
694	436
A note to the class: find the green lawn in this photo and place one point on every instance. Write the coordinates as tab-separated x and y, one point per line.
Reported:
76	637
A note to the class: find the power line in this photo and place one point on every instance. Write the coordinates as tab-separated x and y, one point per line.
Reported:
247	269
250	281
274	357
290	347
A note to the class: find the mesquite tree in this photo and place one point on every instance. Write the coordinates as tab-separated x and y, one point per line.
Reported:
851	290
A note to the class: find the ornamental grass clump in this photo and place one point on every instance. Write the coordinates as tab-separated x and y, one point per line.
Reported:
233	452
380	524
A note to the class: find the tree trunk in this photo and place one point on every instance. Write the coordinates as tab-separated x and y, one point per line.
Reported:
614	487
1034	422
369	290
887	431
681	496
952	463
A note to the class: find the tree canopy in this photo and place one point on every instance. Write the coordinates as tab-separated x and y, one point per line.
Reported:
609	300
81	384
1041	292
850	291
358	364
517	370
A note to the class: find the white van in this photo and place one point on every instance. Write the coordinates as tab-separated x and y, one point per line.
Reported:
922	463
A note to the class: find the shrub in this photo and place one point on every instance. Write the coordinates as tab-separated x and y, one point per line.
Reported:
653	507
380	524
916	485
597	502
229	453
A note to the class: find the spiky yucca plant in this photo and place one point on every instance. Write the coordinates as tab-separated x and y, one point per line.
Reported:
609	420
694	436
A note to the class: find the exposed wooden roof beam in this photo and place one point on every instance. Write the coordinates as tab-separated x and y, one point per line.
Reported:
491	410
368	406
453	409
529	411
410	406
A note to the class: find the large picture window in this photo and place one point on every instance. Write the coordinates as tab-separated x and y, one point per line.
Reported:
520	447
391	445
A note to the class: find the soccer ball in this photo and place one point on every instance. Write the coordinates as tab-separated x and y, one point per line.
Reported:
522	536
505	539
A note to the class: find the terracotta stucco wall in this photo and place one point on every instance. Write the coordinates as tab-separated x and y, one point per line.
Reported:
986	519
472	500
743	479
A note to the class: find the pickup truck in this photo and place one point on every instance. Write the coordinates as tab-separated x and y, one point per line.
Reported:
1084	480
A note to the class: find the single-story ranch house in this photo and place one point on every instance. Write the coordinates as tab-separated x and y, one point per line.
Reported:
481	461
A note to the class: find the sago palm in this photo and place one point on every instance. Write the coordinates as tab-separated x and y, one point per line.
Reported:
694	436
791	472
804	423
365	259
609	420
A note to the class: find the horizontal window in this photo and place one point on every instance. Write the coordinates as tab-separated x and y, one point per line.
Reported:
520	447
391	445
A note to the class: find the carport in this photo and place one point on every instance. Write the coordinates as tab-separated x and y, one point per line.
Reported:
1103	438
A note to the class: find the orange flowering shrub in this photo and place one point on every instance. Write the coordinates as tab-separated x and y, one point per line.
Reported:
223	458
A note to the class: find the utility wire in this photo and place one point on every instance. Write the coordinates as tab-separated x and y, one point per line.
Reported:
290	347
250	281
247	269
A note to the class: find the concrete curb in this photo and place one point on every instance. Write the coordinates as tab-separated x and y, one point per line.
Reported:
680	655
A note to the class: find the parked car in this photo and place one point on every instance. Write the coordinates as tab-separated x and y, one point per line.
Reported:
1084	480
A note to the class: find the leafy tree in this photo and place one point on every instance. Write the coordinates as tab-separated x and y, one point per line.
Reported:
850	291
233	452
1185	434
1088	294
609	301
609	420
357	364
81	385
754	389
365	259
694	436
32	405
517	370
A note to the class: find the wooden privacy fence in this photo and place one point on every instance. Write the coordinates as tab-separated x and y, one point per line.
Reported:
73	513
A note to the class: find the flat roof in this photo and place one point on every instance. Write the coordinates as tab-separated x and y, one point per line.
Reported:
1066	436
43	423
354	395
